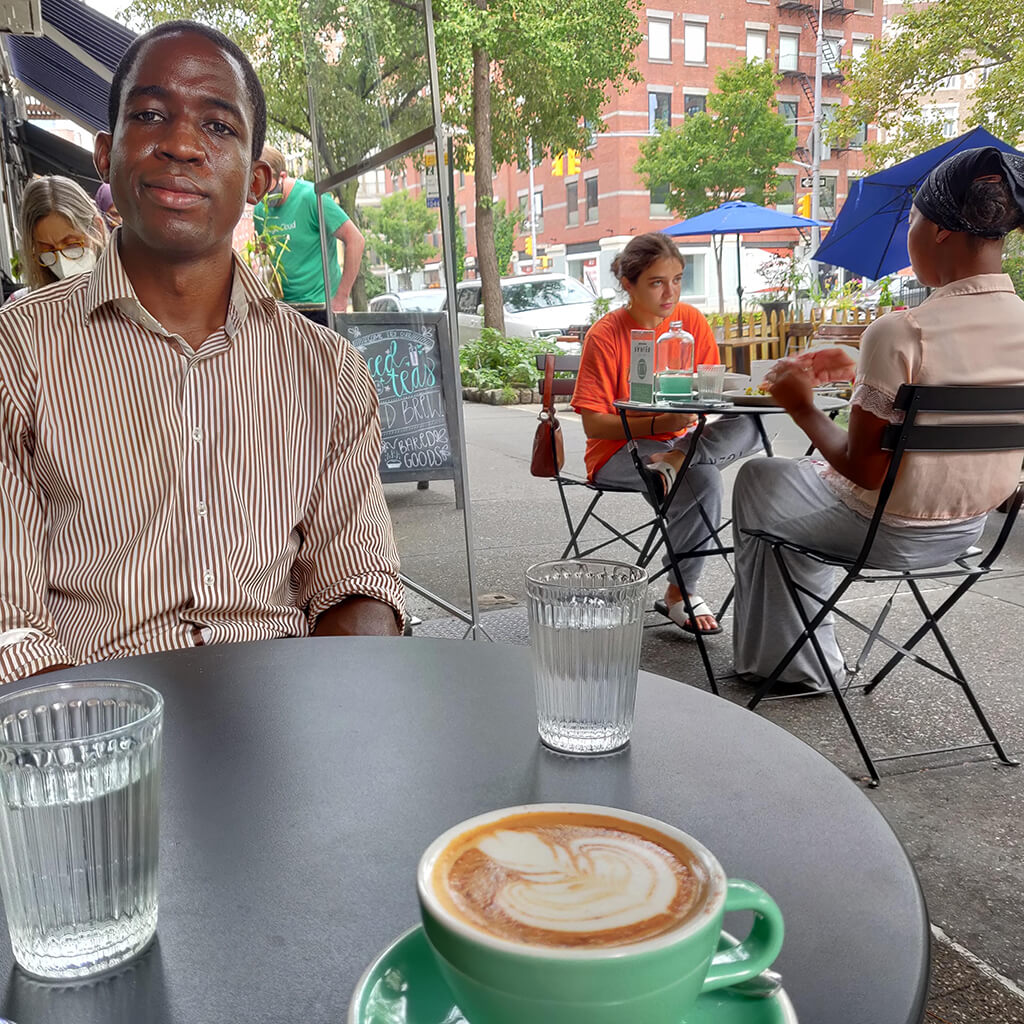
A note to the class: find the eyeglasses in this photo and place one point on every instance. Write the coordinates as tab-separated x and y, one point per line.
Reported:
74	251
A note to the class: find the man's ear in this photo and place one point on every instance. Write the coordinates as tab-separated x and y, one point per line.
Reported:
101	154
260	180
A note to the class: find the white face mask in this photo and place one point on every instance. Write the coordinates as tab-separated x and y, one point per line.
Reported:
70	268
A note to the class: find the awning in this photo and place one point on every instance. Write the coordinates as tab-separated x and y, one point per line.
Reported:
46	153
71	66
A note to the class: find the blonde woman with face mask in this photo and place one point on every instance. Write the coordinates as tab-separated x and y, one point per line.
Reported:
62	232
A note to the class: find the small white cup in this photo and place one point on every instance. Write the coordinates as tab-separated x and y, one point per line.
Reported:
759	369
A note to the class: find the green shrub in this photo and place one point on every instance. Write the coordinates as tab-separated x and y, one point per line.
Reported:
494	361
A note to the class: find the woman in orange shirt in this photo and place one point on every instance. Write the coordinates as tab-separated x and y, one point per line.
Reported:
650	271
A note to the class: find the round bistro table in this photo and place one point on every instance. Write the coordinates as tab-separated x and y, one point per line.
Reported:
303	778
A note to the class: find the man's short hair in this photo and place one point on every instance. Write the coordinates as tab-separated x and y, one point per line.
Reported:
275	158
169	28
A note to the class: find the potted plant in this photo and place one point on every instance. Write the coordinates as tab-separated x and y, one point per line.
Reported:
885	299
784	277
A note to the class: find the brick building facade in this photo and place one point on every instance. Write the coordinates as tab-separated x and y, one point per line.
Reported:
585	215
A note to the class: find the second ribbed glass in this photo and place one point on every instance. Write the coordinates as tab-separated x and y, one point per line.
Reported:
79	823
586	624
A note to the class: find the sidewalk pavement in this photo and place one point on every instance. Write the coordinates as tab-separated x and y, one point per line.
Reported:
960	821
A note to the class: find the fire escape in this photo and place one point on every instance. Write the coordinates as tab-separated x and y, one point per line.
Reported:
830	56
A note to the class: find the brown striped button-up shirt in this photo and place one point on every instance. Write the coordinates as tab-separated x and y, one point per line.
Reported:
152	496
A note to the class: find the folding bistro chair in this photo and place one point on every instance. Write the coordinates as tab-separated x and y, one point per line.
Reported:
993	421
647	531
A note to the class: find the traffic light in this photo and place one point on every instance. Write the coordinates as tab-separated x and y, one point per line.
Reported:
803	205
572	162
528	246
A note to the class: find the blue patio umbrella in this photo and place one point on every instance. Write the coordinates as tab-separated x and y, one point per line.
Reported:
869	236
738	218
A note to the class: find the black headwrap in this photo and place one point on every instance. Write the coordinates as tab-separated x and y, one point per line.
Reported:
942	195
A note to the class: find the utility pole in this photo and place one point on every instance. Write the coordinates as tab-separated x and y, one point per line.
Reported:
816	135
533	219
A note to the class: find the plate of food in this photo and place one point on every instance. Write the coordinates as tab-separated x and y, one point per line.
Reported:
749	396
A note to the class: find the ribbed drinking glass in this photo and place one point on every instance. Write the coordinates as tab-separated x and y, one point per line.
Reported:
79	823
586	623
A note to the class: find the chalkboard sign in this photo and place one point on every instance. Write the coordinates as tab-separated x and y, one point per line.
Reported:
412	365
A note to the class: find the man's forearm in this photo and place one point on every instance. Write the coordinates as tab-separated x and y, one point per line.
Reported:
358	616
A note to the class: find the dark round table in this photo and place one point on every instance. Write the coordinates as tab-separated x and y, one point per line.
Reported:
302	779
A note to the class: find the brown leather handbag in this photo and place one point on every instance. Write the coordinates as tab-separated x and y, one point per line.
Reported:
548	450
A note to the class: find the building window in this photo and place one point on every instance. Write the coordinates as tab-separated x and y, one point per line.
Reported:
785	193
659	110
538	211
828	115
860	136
859	49
462	218
864	6
757	44
694	104
831	54
591	184
695	42
695	277
659	39
572	203
789	51
788	109
827	197
946	115
659	201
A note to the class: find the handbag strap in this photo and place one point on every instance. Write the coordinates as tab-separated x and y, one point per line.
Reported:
547	398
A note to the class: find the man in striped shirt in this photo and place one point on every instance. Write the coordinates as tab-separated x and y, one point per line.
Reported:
183	460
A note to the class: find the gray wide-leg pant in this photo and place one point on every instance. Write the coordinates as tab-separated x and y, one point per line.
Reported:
788	498
721	443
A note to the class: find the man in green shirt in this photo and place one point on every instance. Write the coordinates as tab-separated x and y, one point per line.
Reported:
290	213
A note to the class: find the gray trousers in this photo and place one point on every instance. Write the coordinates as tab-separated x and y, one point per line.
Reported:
788	498
721	443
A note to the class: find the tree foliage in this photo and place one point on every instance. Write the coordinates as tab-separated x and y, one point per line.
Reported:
506	225
731	151
397	228
893	84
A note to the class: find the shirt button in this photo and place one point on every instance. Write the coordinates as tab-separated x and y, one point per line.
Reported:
197	434
201	508
208	578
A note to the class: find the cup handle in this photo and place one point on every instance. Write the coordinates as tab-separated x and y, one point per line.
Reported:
759	949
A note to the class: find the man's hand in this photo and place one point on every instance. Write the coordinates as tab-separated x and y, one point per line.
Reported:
358	616
339	304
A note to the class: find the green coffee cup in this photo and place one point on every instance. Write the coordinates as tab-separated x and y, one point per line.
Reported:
582	976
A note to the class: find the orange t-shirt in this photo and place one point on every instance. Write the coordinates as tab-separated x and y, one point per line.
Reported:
604	369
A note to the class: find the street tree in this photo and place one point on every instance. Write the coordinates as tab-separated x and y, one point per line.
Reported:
521	72
893	84
397	230
731	151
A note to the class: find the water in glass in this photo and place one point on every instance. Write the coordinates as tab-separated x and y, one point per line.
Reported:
79	835
585	632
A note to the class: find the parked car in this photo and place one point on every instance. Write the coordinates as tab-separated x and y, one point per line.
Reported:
426	300
536	306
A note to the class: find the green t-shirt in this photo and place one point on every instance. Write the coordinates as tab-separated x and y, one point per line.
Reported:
295	221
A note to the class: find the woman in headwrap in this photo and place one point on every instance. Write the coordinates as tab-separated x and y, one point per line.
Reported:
970	330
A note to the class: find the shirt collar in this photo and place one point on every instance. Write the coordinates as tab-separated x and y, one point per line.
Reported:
109	284
979	284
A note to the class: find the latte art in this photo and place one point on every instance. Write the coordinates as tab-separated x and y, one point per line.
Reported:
569	880
576	884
